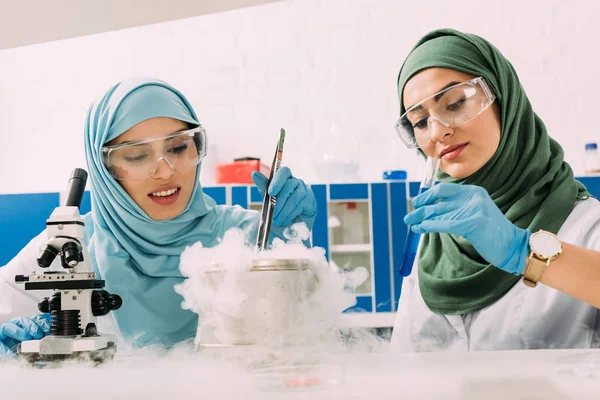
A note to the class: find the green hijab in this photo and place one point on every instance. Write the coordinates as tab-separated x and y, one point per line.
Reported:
527	177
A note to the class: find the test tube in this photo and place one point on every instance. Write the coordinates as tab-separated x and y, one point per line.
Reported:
432	167
411	245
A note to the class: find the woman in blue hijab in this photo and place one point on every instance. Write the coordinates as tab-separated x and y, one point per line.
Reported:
144	145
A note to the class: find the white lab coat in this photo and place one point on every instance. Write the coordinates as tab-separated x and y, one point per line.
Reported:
16	302
524	318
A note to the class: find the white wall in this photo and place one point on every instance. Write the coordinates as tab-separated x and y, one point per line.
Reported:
296	64
26	22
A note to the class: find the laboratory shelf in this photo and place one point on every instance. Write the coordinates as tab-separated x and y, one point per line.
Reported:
351	248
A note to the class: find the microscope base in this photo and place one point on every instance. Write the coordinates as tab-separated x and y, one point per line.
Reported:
56	349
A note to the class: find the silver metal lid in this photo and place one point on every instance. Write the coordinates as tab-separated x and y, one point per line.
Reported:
212	267
265	264
279	264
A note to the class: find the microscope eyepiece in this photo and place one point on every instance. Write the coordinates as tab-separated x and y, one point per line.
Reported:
76	187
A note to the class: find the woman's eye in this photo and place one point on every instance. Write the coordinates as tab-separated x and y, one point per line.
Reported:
136	158
179	149
422	124
456	105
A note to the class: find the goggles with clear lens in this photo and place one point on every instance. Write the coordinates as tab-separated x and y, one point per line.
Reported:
134	161
451	107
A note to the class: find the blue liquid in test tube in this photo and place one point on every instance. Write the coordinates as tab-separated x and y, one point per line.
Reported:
412	239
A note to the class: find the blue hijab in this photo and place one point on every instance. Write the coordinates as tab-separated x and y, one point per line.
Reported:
137	256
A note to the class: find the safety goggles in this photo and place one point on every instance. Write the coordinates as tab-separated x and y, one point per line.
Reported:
134	161
451	107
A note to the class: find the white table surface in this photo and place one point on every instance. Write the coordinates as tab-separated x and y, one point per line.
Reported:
538	374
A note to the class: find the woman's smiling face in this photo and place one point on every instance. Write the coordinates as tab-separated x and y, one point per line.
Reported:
166	193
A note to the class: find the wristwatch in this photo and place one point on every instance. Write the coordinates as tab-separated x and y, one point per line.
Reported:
545	247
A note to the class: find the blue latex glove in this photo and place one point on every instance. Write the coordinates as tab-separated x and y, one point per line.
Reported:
470	212
295	200
18	330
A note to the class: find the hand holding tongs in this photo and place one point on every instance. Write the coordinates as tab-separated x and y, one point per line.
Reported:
266	214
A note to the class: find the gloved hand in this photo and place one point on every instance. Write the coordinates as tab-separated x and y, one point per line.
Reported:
295	200
21	329
470	212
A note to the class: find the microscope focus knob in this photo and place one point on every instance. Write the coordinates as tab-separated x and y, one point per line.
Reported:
43	306
114	302
47	305
104	302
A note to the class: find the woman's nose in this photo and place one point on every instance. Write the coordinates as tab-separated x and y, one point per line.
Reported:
440	130
164	170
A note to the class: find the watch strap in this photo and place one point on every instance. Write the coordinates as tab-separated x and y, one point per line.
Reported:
534	270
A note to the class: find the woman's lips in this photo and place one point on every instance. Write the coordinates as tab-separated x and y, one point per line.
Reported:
454	152
166	200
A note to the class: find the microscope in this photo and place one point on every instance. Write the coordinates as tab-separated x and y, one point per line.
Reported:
78	296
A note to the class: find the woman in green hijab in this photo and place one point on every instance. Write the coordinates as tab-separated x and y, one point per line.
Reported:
507	214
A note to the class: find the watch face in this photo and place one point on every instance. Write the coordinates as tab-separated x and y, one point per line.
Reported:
545	244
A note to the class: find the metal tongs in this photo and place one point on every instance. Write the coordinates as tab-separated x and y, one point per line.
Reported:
268	205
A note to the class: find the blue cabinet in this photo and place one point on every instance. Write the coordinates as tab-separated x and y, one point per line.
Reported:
375	242
372	246
375	248
22	217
